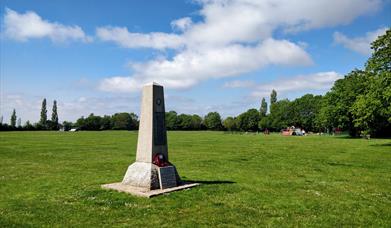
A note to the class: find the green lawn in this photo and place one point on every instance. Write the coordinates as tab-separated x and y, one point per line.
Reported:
54	178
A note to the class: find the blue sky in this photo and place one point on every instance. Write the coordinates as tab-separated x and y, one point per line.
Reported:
93	56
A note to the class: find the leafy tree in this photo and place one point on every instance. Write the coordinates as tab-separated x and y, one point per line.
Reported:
263	109
372	109
248	121
80	123
5	127
67	125
19	123
106	123
380	61
92	122
13	119
196	122
213	121
230	124
44	115
336	108
280	114
273	97
28	126
265	122
54	116
304	111
124	121
172	122
135	121
185	122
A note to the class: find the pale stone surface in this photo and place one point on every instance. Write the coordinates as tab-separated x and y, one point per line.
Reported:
120	187
143	177
152	103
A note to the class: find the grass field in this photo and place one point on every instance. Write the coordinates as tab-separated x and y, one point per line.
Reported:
54	178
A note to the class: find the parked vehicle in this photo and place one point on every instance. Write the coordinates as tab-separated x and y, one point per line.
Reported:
292	131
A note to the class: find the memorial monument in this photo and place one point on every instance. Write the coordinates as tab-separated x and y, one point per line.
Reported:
152	173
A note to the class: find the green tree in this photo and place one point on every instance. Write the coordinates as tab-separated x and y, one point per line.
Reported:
106	123
248	121
213	121
372	109
280	114
380	61
185	122
28	126
196	122
263	109
80	123
44	116
304	111
19	123
172	122
92	122
273	97
230	124
13	119
336	107
54	116
265	122
124	121
67	125
135	121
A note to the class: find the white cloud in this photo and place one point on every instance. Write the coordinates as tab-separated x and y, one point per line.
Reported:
233	37
182	24
362	44
239	84
229	21
127	39
22	27
27	107
190	67
317	82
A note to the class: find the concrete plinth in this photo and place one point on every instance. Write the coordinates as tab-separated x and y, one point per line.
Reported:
136	191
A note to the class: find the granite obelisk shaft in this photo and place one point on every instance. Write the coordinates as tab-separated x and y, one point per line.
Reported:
152	137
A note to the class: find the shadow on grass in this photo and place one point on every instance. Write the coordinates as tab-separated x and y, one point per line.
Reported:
358	137
346	137
210	182
383	144
339	164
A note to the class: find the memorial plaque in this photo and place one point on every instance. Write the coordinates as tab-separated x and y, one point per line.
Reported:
167	177
159	131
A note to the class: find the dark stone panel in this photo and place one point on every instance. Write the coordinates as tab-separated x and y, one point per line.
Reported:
159	134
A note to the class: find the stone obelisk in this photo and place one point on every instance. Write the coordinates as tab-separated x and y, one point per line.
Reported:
152	144
152	170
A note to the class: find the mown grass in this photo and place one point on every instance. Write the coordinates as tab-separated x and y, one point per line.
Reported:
54	178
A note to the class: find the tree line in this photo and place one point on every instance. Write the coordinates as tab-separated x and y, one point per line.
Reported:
43	124
360	103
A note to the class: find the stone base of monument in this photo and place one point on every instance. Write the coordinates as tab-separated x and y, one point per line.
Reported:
147	180
137	191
